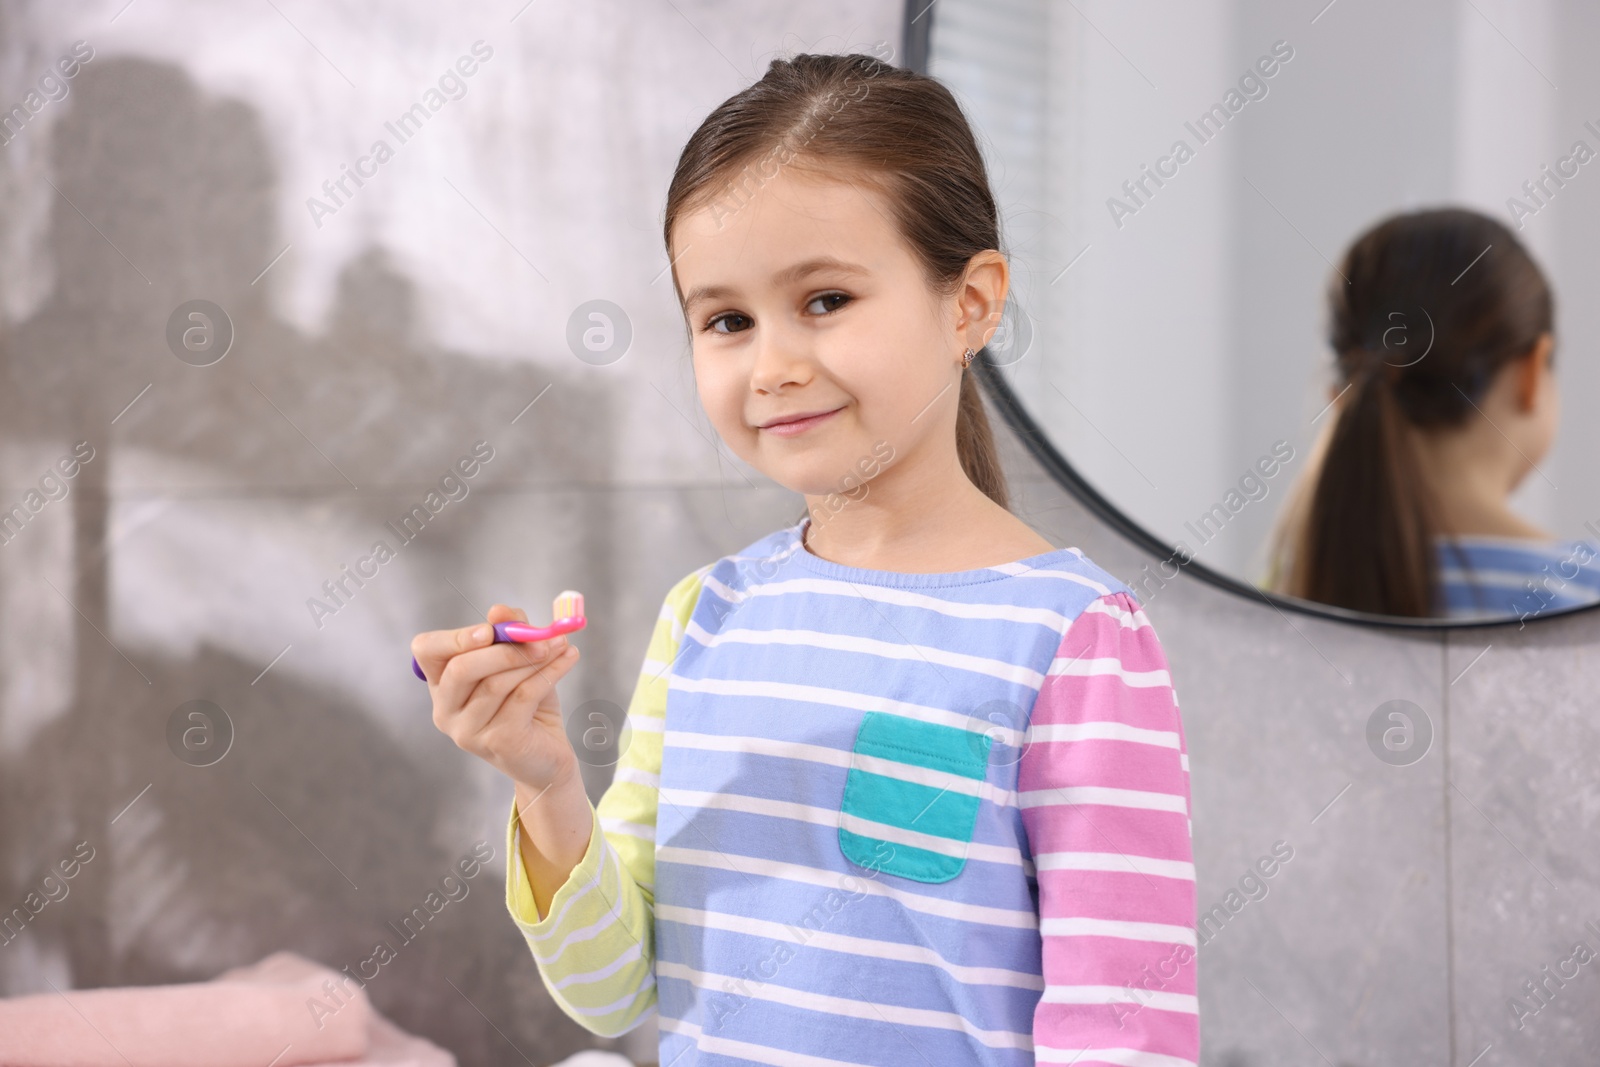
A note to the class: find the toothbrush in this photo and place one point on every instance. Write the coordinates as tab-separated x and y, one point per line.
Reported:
567	612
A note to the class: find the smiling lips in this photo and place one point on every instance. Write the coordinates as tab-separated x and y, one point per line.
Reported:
789	426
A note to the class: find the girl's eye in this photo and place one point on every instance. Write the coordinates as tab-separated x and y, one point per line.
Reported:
710	326
830	296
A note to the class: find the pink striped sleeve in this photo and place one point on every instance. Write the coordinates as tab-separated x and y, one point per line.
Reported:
1104	795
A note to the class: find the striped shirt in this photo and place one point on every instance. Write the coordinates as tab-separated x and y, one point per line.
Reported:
1505	577
886	818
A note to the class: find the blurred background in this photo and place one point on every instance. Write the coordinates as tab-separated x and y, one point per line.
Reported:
370	341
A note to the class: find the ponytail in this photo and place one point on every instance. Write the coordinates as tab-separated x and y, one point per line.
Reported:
975	443
1369	529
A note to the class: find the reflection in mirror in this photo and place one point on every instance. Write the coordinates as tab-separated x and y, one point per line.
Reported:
1445	403
1284	292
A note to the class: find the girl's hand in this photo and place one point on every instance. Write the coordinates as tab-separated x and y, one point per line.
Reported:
498	701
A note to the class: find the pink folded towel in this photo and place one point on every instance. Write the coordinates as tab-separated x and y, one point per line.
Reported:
247	1017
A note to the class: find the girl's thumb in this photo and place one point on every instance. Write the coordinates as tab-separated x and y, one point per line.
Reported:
504	613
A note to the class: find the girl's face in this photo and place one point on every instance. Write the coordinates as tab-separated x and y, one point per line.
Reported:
802	299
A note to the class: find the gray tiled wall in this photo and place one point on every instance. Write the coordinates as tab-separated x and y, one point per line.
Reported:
1417	900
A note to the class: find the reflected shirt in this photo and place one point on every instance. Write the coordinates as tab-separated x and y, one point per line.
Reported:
1514	578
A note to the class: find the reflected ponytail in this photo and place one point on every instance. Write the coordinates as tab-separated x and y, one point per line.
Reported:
1370	525
1458	285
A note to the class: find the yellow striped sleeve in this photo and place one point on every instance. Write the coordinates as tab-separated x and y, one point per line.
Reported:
596	947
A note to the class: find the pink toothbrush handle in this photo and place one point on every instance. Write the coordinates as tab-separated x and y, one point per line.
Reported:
522	632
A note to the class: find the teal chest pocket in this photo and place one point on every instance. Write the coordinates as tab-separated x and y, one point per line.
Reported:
911	796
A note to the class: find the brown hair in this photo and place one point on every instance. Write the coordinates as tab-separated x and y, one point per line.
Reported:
856	117
1460	283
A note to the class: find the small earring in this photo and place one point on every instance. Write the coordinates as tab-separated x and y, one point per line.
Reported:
966	358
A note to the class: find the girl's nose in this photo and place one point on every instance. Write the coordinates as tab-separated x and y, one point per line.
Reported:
779	361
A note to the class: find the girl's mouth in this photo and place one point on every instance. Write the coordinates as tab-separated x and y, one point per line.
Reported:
800	426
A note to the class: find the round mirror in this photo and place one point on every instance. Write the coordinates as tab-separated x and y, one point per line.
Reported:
1293	299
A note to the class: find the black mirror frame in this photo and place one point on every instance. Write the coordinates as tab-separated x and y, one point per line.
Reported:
916	39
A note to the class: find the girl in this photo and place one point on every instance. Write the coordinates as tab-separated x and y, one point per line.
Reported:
906	785
1441	325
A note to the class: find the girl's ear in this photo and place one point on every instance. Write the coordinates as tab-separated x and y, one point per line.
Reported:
983	297
1531	371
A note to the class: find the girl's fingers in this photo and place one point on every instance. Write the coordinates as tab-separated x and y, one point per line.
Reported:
514	665
469	719
464	671
515	713
435	648
506	613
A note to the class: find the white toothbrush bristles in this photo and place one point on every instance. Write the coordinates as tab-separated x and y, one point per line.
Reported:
568	605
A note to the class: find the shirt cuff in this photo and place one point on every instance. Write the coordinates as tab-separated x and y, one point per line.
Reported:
519	893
